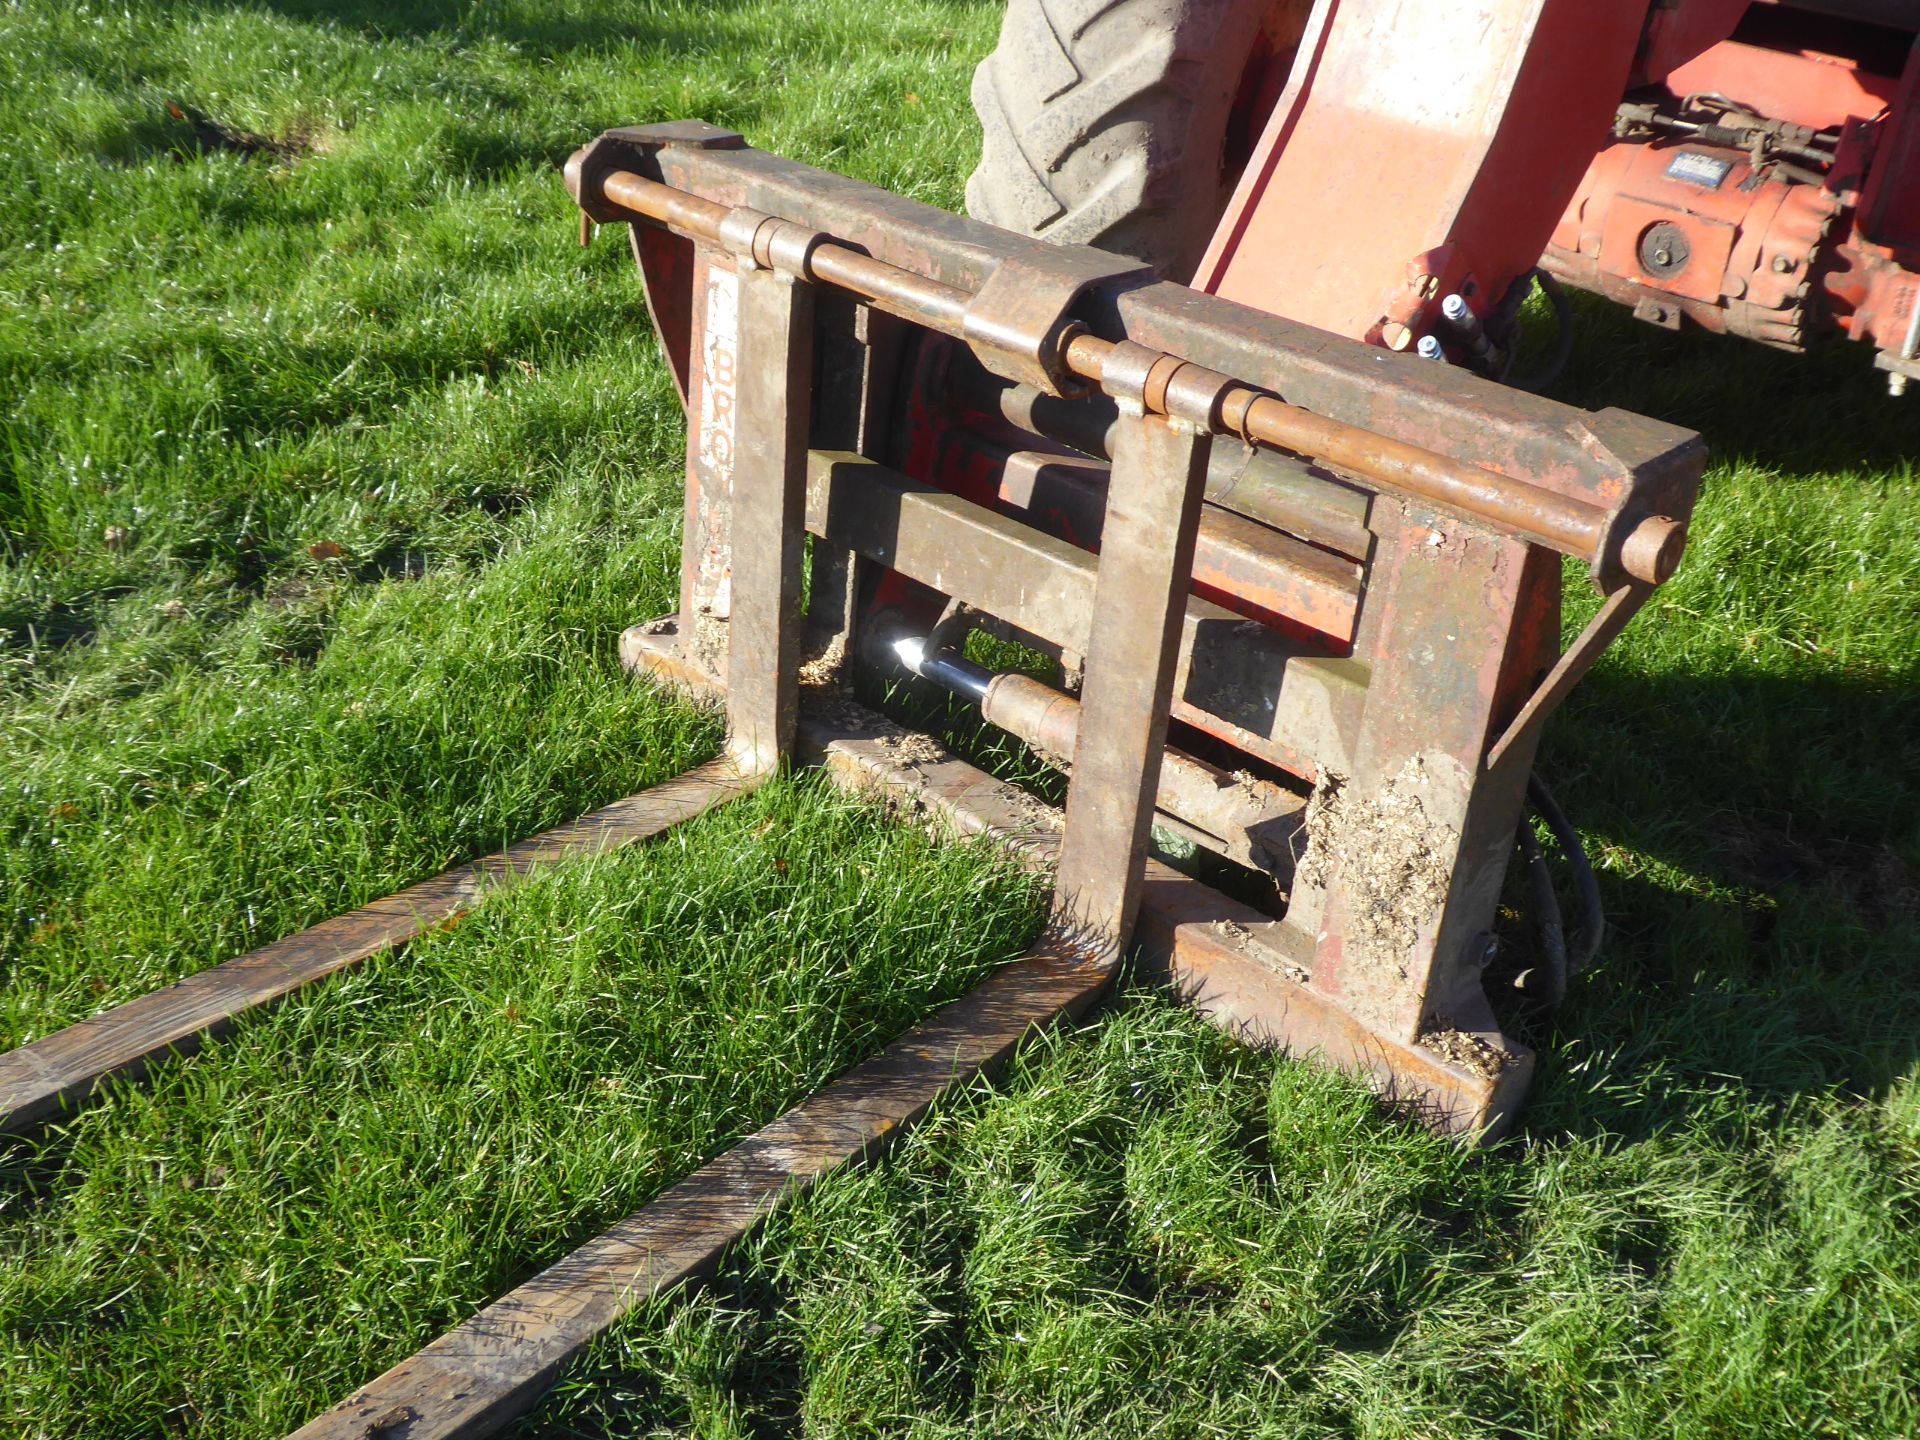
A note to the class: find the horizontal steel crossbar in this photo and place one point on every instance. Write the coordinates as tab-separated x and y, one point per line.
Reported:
1549	517
1277	691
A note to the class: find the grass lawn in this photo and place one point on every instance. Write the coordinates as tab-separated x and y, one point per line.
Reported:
330	469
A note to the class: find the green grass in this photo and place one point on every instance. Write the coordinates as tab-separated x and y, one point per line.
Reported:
328	476
381	1161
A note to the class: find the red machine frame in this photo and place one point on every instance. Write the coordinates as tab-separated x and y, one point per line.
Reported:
1762	178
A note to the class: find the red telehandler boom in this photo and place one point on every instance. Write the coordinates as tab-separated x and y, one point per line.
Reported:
1395	170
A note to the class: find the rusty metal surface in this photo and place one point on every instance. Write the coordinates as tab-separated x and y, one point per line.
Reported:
1588	520
1267	574
666	260
1626	466
1569	669
1250	820
991	561
486	1372
712	386
1274	696
771	407
1407	848
1235	813
1146	562
1018	320
40	1080
1236	967
1279	490
1254	568
1568	523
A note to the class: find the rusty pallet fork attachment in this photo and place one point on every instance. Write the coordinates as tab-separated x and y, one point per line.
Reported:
1362	731
1383	678
1392	760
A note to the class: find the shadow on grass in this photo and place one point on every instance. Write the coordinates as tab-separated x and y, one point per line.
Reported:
1821	412
25	626
541	30
34	1172
488	139
182	133
1769	947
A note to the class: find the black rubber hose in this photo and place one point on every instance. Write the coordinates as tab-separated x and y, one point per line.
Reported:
1563	343
1593	914
1547	981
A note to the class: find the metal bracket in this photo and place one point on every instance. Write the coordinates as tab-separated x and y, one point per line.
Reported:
1620	607
1019	321
769	489
630	148
1146	565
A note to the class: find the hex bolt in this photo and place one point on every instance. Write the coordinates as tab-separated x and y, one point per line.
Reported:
1897	379
1468	331
1431	349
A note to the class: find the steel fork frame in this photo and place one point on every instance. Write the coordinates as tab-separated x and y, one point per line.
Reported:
1418	742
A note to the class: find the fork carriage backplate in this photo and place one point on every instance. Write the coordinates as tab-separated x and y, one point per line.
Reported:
1310	589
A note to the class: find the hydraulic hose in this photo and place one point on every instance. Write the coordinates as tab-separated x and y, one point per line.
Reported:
1563	341
1562	959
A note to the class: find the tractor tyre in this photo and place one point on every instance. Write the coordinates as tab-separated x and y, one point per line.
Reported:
1125	123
